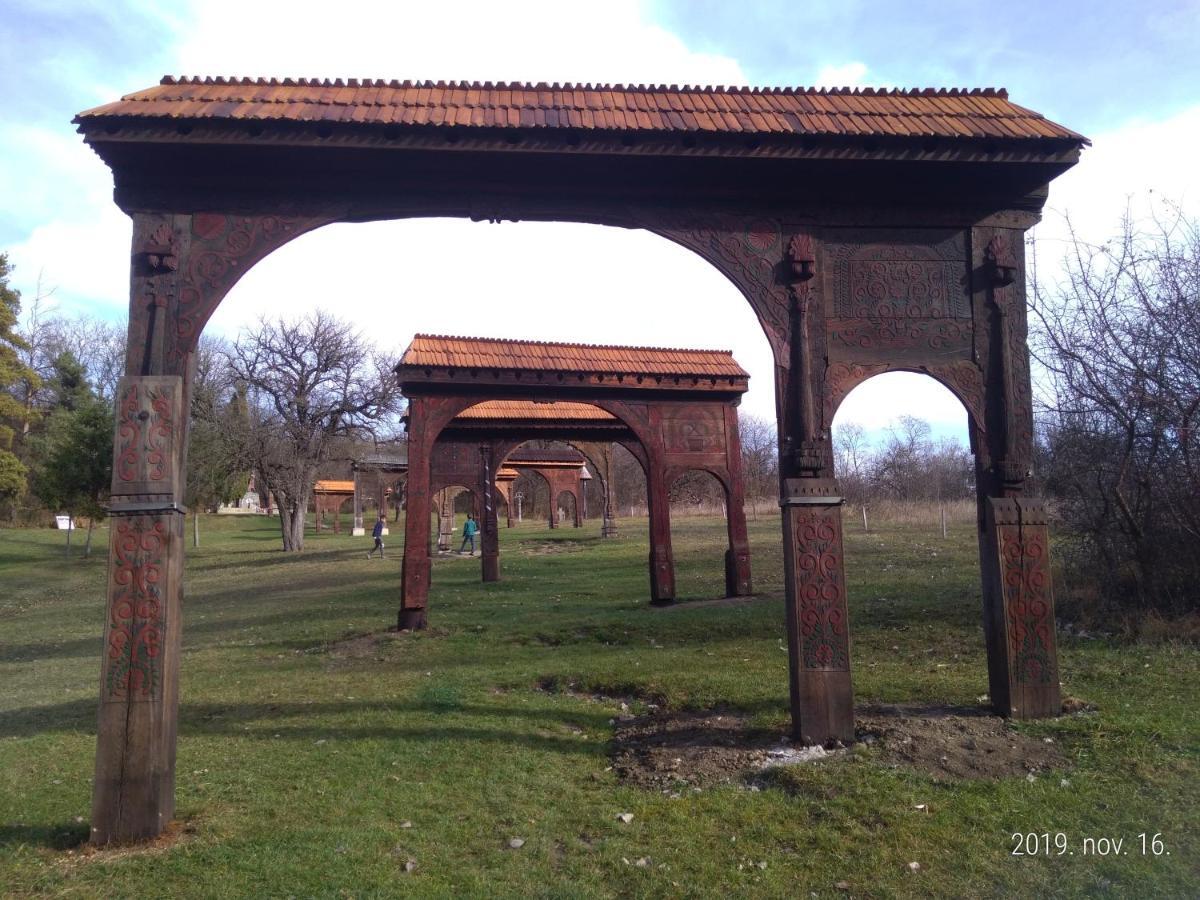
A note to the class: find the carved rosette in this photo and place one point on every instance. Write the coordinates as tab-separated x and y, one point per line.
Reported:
820	590
137	609
1028	610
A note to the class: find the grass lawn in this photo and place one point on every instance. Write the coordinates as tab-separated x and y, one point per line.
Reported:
313	766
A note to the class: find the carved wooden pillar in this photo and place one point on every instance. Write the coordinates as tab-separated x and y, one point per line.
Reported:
182	267
134	790
489	531
1014	536
445	520
662	561
822	698
737	557
415	570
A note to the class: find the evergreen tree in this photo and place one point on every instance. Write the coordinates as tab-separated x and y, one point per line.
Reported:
74	471
13	373
68	383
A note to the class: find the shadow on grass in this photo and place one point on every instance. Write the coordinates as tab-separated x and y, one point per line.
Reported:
65	836
238	719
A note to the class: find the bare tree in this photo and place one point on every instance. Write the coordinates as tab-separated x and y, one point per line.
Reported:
1119	341
760	458
309	383
852	459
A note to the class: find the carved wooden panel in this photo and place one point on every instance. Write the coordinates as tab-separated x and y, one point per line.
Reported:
134	634
694	430
820	588
146	445
897	292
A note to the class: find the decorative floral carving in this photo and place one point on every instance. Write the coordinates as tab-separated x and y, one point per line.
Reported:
137	614
963	378
1001	260
882	273
820	589
748	252
801	257
898	333
223	248
1027	605
145	434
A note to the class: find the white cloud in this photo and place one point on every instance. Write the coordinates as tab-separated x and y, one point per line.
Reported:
851	74
473	40
1129	165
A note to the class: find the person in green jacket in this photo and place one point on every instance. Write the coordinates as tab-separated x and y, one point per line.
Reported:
470	529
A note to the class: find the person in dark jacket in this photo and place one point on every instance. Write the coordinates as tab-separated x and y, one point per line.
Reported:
377	533
470	529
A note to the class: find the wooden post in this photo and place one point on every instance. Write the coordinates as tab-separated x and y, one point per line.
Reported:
134	790
737	557
415	569
662	562
358	530
489	529
817	623
1019	609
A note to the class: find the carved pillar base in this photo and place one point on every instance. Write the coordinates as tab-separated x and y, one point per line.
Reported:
411	620
1019	609
133	796
662	575
737	572
445	533
489	544
818	627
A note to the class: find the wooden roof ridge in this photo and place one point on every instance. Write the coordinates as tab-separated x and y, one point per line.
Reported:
569	344
361	107
407	83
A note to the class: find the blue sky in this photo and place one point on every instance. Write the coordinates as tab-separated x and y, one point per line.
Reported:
1126	75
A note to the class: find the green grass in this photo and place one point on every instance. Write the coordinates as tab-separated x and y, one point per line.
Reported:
298	766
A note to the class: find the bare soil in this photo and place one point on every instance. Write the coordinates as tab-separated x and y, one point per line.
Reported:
954	743
685	750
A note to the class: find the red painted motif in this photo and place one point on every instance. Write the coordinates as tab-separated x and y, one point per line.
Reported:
824	631
136	609
1026	581
223	248
145	436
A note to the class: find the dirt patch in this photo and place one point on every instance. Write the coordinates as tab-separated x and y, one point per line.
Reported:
684	750
954	742
173	835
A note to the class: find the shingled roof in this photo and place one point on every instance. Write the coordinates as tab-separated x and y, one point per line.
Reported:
978	113
440	351
526	455
522	410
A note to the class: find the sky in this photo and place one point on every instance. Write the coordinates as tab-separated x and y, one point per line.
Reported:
1126	75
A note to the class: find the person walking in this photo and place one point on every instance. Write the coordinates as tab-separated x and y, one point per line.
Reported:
377	533
470	529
